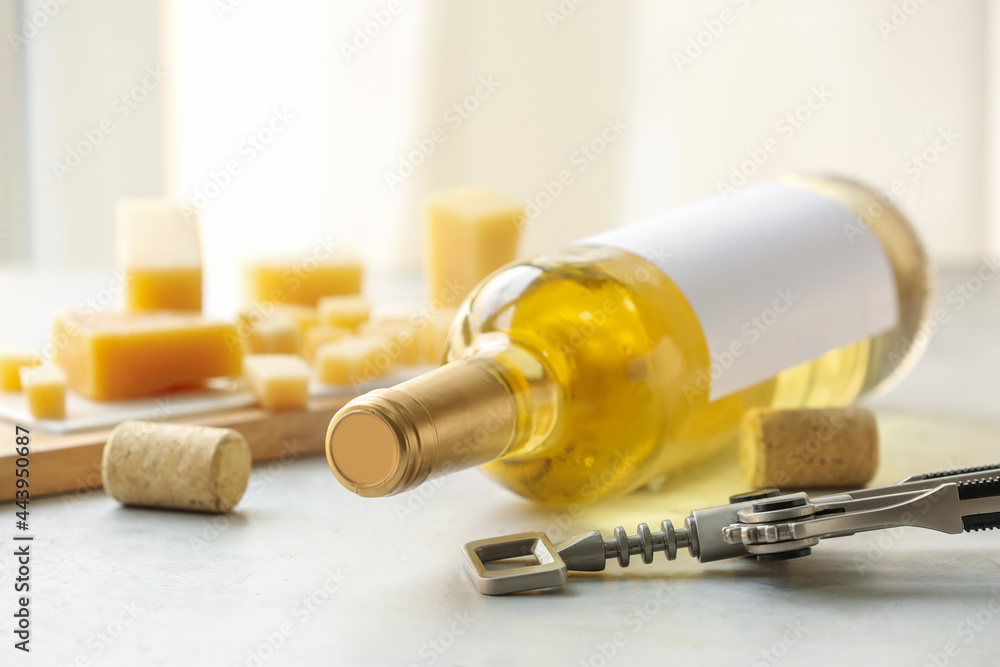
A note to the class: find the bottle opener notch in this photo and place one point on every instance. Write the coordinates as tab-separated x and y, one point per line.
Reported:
549	571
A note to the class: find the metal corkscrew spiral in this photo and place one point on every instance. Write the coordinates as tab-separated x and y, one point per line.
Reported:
589	551
645	542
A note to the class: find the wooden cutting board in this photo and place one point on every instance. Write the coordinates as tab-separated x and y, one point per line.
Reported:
70	462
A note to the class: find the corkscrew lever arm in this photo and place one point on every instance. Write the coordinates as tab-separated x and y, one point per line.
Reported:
767	525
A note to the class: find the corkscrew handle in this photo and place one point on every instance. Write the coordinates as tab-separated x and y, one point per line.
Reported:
952	473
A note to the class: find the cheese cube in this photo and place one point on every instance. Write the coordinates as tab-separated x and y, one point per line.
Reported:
351	360
158	248
318	335
12	360
109	355
303	316
399	340
303	278
162	289
277	335
279	381
432	339
45	388
470	233
343	311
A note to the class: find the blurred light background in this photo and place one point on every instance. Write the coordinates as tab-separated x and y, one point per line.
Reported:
285	122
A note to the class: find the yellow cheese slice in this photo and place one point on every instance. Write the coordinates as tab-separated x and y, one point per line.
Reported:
303	278
112	355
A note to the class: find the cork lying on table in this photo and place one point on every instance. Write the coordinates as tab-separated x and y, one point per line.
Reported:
177	466
808	448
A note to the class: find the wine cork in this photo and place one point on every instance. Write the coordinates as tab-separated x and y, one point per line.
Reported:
176	465
808	448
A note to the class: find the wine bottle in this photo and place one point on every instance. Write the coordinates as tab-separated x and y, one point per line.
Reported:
625	357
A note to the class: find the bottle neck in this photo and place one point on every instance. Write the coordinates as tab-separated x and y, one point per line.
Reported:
458	416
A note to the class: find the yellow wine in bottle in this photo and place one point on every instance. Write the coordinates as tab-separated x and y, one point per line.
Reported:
624	357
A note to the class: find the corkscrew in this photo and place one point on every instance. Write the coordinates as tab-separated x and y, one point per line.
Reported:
766	525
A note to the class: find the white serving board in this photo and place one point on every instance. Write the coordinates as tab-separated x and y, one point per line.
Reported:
83	414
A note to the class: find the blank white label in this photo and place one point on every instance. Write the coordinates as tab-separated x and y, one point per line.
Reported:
773	276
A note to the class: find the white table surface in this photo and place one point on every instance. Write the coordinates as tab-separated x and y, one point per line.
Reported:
305	573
